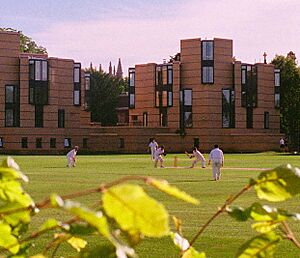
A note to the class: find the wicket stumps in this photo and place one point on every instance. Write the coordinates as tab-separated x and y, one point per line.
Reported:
175	161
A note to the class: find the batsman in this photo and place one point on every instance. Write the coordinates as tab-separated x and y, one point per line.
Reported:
198	157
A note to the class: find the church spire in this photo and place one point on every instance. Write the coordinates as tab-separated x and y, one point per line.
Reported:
119	73
110	69
114	70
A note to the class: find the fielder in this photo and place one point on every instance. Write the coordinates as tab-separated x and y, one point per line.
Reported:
71	157
153	147
216	156
198	157
158	156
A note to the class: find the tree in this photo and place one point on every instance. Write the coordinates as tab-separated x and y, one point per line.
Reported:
289	95
105	90
27	45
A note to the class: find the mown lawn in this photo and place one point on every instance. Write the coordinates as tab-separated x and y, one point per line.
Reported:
49	174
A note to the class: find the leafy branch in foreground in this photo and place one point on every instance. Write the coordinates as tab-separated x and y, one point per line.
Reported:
126	214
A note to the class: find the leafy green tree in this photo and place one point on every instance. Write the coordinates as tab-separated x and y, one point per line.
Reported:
105	90
27	45
289	95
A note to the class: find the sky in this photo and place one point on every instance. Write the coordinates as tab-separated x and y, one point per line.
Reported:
147	31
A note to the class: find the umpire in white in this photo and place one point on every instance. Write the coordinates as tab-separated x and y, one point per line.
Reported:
216	156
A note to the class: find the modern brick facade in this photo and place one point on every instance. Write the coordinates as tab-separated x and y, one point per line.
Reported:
208	97
44	103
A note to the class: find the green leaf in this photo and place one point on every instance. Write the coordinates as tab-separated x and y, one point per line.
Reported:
10	170
7	240
265	226
77	243
12	191
192	253
134	210
238	213
260	246
171	190
260	212
278	184
15	218
81	229
95	219
49	224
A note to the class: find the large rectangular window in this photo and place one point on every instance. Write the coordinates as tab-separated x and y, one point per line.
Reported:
187	115
39	116
12	106
277	88
87	92
1	142
249	86
61	118
207	61
131	72
77	84
67	143
38	81
228	108
24	142
266	120
52	143
38	143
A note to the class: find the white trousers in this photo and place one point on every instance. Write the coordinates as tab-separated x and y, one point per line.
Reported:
71	162
197	160
216	169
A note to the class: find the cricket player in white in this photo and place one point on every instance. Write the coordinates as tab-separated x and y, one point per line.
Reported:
158	156
153	147
198	157
71	156
216	156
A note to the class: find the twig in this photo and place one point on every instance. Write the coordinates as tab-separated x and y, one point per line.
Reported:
289	234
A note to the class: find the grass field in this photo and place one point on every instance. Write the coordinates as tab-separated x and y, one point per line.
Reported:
49	174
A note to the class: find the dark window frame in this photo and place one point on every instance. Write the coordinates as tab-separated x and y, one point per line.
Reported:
277	89
38	87
207	63
131	88
266	120
13	106
77	84
230	109
39	116
61	118
187	109
1	142
24	142
85	143
52	143
67	142
38	143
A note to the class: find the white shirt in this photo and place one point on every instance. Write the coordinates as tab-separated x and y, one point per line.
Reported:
281	142
71	154
198	155
159	152
153	145
216	154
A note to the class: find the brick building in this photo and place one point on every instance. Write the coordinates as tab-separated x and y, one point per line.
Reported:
208	97
204	98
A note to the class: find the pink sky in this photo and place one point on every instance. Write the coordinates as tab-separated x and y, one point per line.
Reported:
145	35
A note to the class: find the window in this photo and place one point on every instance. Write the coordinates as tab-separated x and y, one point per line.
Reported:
208	74
121	143
131	77
157	98
164	75
186	110
163	117
277	87
1	142
39	116
170	98
52	142
145	119
196	143
38	81
277	100
249	86
131	100
207	62
207	50
67	143
170	74
164	98
266	120
24	142
85	143
188	121
77	84
12	106
87	83
131	89
38	143
187	98
228	108
61	118
158	77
